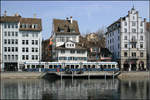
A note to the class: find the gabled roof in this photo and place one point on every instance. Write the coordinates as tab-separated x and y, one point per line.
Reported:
17	19
66	25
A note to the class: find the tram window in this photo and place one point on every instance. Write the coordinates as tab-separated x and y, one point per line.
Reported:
88	66
33	66
109	66
50	66
84	66
55	66
93	66
104	66
113	66
37	66
72	66
42	66
28	66
77	66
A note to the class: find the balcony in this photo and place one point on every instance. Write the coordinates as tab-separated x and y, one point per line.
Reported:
133	58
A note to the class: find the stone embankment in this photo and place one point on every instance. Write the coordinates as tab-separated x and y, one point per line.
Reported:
21	75
134	74
35	75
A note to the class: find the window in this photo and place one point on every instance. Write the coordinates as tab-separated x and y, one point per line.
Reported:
27	49
12	57
16	41
62	51
8	25
32	49
32	57
8	49
23	41
12	41
133	54
27	57
141	45
27	42
134	45
8	41
36	50
125	30
16	49
12	33
133	17
5	49
12	49
36	57
12	26
133	23
141	37
5	33
118	37
5	57
126	45
8	57
72	51
133	30
125	37
36	42
16	56
32	41
141	54
23	57
125	23
141	30
5	41
23	49
8	33
16	26
5	26
133	38
16	33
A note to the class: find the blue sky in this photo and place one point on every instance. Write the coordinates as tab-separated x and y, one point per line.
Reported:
91	15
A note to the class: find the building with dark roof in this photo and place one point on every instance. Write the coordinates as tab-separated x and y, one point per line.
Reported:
66	46
20	41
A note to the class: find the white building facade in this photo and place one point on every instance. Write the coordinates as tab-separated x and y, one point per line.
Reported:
20	40
125	38
66	45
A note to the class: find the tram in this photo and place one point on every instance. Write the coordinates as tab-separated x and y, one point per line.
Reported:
72	66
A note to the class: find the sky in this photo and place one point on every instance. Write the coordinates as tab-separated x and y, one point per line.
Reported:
91	15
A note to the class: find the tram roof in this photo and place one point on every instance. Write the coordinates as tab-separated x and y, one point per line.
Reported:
76	63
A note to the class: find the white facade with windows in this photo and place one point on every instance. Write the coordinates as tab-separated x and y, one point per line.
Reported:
66	47
126	40
19	44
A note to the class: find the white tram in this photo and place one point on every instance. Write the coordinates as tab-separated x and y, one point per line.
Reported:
73	66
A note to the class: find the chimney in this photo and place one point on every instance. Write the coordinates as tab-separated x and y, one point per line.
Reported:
5	13
71	19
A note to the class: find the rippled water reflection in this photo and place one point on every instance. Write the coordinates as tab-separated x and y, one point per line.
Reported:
76	89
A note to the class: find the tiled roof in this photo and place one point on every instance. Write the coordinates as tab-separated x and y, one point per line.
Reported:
16	19
66	25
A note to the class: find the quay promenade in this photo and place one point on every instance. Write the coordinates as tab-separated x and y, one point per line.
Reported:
33	75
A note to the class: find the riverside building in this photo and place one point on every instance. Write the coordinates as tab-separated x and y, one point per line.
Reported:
20	41
125	38
66	46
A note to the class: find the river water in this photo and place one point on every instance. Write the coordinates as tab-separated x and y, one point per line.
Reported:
75	89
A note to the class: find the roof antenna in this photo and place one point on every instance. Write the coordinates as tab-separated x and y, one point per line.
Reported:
133	5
